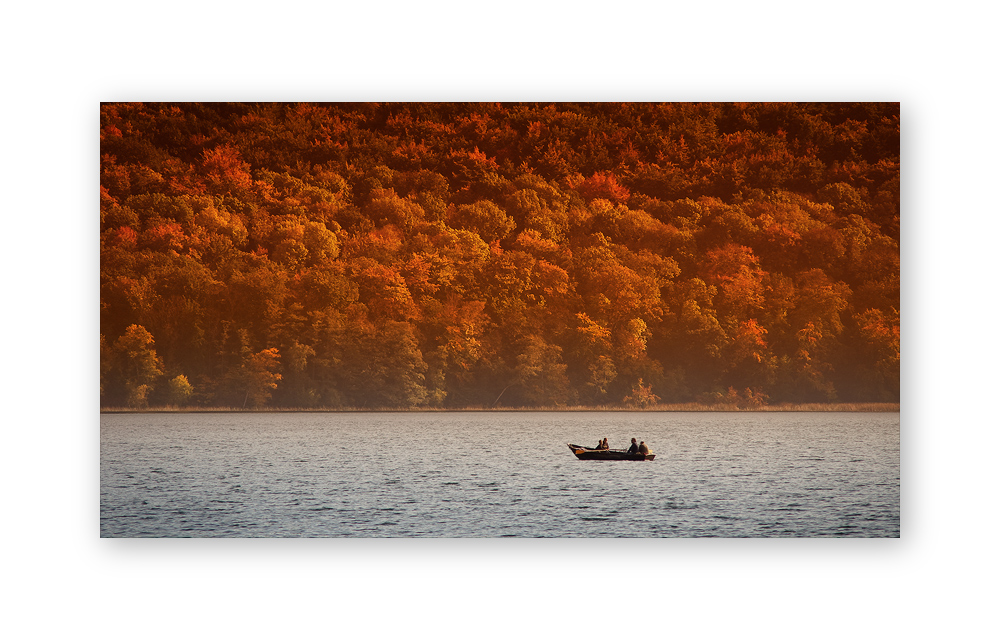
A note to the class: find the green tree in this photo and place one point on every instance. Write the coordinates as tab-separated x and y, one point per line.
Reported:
137	363
602	375
382	366
179	391
541	374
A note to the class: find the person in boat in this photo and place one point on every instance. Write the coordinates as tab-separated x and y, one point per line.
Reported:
634	448
604	444
643	449
600	444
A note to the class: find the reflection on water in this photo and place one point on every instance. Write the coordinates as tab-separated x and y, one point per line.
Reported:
498	474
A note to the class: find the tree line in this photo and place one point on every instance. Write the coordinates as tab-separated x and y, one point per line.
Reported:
402	255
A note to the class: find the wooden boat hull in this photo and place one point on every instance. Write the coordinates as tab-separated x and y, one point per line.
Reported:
588	453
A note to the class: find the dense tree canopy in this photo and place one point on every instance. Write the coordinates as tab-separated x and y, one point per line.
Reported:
453	255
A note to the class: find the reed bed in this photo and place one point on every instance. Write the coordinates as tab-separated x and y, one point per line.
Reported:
686	407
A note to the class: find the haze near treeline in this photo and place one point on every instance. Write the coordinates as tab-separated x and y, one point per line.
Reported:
477	255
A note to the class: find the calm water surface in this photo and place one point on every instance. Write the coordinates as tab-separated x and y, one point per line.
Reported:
498	474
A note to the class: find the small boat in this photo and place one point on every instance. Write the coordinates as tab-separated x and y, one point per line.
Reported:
589	453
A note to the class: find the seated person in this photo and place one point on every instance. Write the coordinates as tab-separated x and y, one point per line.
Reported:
604	444
634	448
643	449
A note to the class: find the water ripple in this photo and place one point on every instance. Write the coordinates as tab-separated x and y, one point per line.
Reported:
401	475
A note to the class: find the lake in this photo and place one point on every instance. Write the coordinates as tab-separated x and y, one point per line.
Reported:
498	474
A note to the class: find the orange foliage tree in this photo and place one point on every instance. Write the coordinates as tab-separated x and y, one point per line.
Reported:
453	255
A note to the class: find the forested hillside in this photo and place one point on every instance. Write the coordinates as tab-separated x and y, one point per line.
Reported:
478	255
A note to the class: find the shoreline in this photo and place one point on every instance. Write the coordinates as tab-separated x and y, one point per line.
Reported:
841	407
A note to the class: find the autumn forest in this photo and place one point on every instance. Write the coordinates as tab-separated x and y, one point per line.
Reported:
483	255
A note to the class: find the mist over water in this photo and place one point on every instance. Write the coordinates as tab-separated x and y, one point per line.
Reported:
498	474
